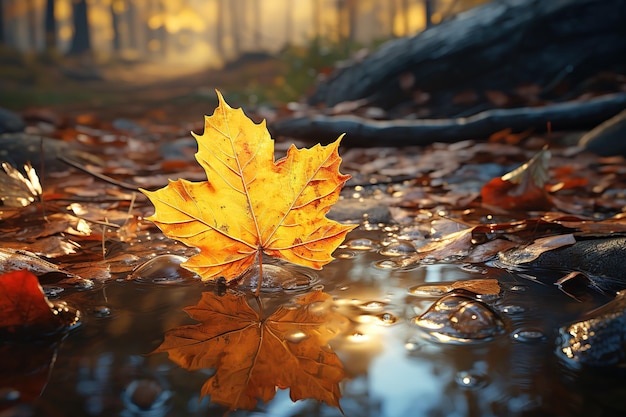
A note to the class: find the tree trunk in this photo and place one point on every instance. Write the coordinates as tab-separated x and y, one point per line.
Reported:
32	24
498	46
50	24
81	40
2	37
115	23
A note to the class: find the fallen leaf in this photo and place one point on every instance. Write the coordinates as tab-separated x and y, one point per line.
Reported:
251	204
252	355
23	305
533	251
15	259
16	190
522	188
488	286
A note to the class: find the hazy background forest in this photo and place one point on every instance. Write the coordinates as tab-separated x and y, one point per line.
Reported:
142	41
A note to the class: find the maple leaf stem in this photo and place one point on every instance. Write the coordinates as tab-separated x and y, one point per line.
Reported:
259	303
260	282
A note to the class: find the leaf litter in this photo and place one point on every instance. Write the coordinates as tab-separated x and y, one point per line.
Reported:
85	225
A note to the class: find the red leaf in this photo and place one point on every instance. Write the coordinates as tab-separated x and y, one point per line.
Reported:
23	304
521	189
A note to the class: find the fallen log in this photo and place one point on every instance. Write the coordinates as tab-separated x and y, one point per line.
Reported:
554	45
571	115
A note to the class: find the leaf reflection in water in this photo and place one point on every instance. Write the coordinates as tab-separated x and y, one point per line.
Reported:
253	355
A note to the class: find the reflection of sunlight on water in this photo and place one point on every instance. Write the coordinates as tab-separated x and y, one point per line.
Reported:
402	385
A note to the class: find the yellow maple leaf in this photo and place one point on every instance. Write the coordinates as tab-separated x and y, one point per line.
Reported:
250	203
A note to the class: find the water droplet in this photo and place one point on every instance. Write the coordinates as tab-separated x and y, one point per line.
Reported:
357	337
471	380
344	254
387	319
429	290
400	248
528	335
101	311
162	269
373	305
512	309
387	264
8	394
296	336
412	345
361	244
457	318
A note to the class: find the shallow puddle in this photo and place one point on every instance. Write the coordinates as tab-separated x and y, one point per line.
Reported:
408	346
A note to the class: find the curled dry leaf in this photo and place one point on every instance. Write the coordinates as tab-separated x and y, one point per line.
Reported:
24	305
250	203
252	355
17	190
522	188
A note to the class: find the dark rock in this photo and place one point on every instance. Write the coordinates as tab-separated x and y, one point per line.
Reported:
602	260
608	138
10	122
19	148
599	341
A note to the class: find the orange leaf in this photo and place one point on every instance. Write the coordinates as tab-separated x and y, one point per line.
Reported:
252	355
522	188
252	204
23	305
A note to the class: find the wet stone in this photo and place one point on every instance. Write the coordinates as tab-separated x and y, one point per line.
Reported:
457	318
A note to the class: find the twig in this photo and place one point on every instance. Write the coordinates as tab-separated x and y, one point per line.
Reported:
98	175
